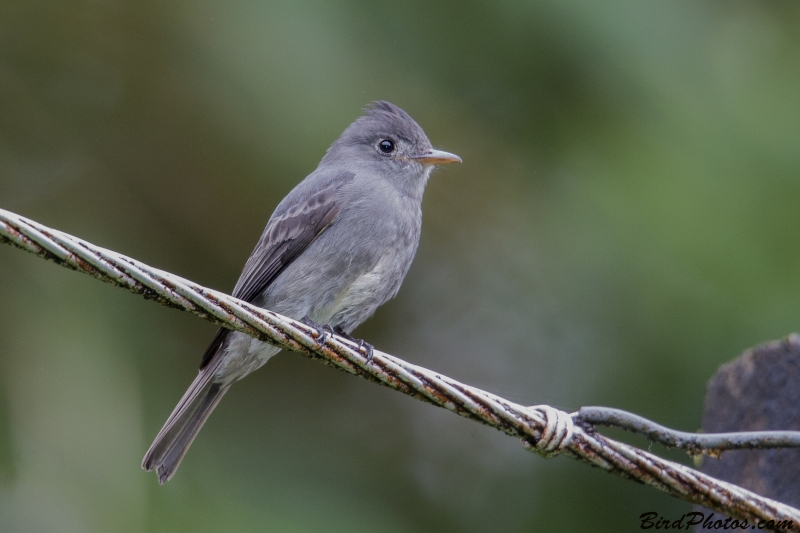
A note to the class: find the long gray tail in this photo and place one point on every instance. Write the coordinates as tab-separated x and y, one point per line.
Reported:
174	439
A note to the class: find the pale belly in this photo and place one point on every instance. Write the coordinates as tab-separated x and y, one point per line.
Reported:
352	306
357	302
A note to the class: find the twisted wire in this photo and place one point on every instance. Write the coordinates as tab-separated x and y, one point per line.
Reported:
543	429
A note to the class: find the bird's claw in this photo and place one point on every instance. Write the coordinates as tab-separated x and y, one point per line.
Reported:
369	347
361	343
323	332
327	333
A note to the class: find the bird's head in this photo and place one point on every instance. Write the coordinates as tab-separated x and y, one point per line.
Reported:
387	141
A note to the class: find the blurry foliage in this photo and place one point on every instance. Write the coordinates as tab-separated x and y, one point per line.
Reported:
625	220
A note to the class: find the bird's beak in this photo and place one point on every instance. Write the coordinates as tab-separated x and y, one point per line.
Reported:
436	157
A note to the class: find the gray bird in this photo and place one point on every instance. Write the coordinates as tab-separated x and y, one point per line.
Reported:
335	249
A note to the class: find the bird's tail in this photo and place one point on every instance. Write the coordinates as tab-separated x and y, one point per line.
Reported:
174	439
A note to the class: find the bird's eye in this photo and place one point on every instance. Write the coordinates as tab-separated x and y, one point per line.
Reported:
386	146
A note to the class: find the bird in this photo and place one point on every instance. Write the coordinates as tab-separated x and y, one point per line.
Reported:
336	248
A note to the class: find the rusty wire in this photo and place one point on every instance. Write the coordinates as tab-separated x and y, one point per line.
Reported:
527	424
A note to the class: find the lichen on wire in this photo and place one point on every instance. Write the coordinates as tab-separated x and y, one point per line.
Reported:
540	428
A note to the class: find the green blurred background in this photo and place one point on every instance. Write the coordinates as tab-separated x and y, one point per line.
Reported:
625	220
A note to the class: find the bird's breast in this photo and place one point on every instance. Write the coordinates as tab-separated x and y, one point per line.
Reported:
359	300
367	286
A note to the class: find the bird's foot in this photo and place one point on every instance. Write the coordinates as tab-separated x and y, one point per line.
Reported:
369	347
361	343
323	332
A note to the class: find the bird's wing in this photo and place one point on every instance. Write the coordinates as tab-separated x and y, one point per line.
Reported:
298	220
